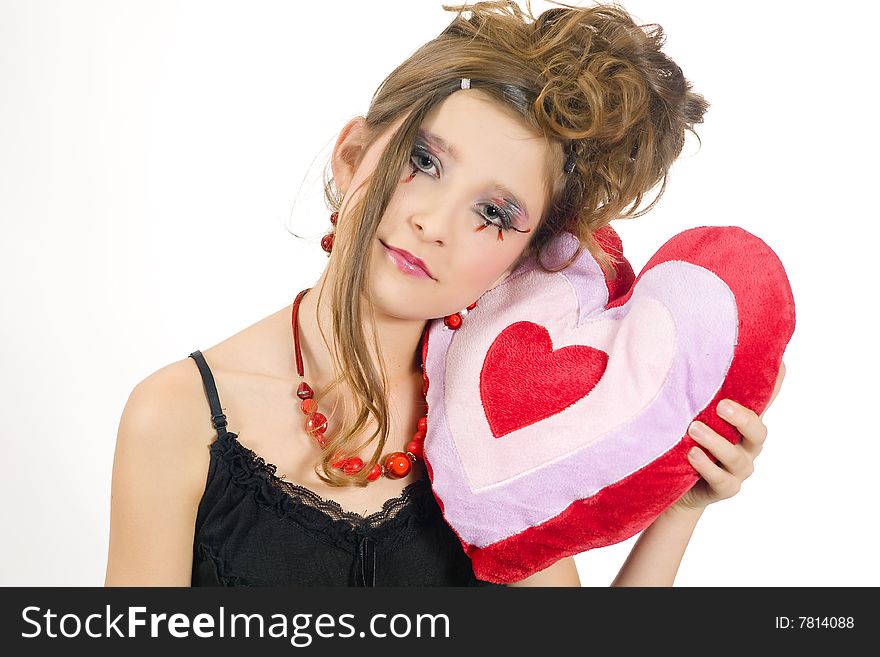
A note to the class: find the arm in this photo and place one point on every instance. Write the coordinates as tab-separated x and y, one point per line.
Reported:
158	472
656	556
561	573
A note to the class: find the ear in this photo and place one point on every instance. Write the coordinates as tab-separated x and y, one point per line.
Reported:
347	152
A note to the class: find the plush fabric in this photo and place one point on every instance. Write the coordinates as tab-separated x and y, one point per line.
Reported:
558	411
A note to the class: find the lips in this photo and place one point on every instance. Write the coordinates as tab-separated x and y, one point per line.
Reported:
409	258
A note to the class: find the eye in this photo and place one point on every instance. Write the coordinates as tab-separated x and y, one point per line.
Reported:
504	221
498	217
423	160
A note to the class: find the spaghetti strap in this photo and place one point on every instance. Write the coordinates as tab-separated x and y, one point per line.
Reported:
218	419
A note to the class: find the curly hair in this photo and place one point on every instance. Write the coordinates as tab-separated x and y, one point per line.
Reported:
588	79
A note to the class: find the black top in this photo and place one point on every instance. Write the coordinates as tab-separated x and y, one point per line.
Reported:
255	529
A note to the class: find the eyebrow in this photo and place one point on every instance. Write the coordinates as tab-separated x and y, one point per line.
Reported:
438	143
441	145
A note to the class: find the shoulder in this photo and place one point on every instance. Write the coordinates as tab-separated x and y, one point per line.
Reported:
172	396
170	405
166	422
160	469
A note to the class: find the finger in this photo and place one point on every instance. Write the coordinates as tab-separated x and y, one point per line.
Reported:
733	458
749	424
722	483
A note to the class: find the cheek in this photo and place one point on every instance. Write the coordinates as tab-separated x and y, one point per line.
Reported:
486	267
478	268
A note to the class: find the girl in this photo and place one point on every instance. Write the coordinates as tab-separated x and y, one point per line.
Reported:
474	153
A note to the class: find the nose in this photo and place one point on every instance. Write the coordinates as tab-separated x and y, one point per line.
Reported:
432	224
427	232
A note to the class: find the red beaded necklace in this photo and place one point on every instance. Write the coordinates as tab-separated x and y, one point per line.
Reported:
396	464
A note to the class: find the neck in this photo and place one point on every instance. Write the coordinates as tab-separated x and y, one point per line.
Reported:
399	340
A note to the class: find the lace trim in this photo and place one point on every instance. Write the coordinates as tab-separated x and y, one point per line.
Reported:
396	521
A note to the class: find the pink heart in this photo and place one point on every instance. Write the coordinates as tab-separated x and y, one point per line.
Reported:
524	381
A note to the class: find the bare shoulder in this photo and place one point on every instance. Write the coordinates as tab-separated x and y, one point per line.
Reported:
162	456
160	468
169	407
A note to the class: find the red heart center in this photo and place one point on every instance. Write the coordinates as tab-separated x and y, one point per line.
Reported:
524	381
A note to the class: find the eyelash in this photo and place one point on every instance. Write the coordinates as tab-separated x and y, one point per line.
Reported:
504	215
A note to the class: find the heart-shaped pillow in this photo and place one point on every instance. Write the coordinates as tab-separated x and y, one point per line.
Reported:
558	411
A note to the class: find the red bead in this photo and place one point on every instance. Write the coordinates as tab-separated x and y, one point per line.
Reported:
419	436
352	465
414	447
398	464
338	460
334	217
423	424
309	406
452	321
327	242
317	423
375	473
320	438
472	306
304	391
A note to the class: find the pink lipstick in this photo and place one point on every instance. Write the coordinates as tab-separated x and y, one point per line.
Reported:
407	263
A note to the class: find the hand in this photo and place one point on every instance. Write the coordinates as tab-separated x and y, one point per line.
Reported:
735	462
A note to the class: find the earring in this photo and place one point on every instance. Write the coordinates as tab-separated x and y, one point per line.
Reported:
327	240
453	321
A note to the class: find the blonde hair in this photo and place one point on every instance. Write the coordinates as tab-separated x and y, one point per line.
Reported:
589	79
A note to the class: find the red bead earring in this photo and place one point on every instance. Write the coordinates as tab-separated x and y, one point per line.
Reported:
327	240
453	321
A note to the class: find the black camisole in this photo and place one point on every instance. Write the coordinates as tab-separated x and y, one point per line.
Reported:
255	529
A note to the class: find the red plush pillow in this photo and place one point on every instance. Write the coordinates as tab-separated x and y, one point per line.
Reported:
558	411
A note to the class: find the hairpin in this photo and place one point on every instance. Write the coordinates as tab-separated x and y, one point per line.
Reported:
465	83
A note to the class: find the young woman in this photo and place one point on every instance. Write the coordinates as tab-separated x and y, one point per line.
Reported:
475	152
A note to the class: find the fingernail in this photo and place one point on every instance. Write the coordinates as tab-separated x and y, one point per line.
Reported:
697	429
725	408
693	452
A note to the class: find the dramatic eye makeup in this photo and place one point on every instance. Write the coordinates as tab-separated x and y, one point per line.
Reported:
501	211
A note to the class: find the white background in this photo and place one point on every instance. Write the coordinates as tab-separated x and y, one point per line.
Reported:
152	155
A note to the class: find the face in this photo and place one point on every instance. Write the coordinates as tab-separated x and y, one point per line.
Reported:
467	203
